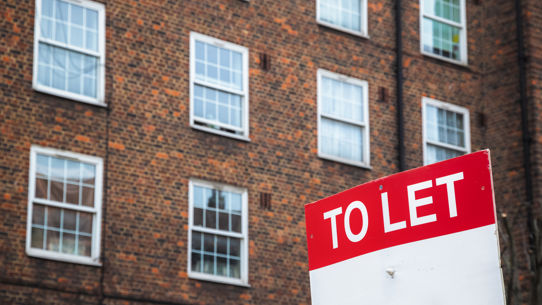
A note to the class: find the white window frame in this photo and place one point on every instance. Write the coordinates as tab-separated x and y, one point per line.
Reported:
100	86
242	93
449	107
366	136
463	36
243	281
94	258
363	22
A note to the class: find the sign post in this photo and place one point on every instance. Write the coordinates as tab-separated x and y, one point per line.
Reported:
427	236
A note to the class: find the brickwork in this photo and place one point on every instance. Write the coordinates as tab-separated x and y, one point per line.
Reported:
151	152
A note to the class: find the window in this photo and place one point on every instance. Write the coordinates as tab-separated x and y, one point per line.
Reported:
445	131
218	86
343	119
443	28
69	49
218	233
345	15
64	206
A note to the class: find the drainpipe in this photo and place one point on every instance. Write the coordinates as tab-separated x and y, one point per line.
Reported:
527	138
399	81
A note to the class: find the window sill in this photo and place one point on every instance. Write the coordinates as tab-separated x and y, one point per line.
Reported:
455	62
68	95
341	29
220	132
345	161
61	257
217	279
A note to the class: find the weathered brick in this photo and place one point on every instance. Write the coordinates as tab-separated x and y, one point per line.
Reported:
152	152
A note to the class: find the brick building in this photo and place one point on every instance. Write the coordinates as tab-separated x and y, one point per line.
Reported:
161	152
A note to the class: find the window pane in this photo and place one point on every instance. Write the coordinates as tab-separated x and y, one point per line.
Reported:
62	230
210	198
212	54
196	262
208	264
198	108
46	28
342	100
236	223
61	31
89	86
436	154
91	40
237	64
68	243
57	169
236	102
341	140
88	196
224	58
37	238
221	266
218	65
53	240
89	174
224	75
223	114
61	12
221	200
222	245
200	51
216	250
235	247
208	243
235	268
210	219
75	63
90	70
198	196
223	221
92	19
38	214
47	8
76	15
236	202
447	9
72	193
85	245
57	191
59	79
198	217
207	108
85	222
44	75
53	217
41	188
76	37
74	83
441	39
44	56
69	67
444	126
74	171
342	13
196	240
69	222
200	69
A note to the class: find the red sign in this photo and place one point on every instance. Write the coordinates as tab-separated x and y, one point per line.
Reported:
431	201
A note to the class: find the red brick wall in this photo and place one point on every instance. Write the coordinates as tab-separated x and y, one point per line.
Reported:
152	152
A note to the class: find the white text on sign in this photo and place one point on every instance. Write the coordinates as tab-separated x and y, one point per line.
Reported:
413	205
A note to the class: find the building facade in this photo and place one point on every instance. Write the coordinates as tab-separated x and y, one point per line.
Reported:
161	152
